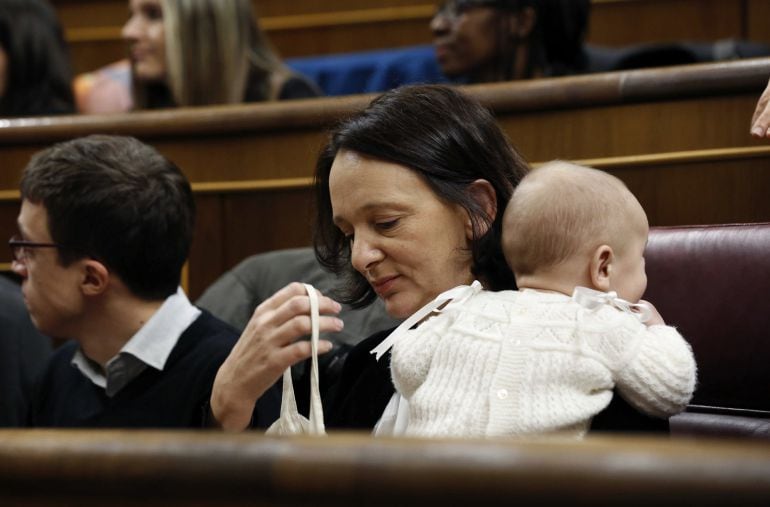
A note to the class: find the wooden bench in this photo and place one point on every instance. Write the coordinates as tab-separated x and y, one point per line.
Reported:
143	468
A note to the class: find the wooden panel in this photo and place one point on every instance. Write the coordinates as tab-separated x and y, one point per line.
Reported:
144	468
646	111
207	252
632	128
706	187
623	22
758	20
362	36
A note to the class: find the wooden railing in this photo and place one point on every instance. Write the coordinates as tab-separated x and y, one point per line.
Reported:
301	28
678	137
53	468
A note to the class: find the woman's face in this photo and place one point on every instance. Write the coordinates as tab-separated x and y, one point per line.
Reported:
465	37
409	244
145	35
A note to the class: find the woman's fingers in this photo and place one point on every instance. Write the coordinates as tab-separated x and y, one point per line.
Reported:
266	348
760	121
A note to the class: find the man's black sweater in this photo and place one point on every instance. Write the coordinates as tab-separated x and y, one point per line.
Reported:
177	397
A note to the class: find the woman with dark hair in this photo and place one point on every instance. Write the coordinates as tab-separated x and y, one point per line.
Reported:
480	41
410	194
35	73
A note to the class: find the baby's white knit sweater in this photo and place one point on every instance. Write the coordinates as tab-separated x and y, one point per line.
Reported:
529	362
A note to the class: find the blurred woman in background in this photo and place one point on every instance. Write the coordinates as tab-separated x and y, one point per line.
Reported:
481	41
201	52
191	53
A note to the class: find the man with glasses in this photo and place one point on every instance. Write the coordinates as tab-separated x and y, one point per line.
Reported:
104	230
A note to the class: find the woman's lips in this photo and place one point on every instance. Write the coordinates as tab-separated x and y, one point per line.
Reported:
384	285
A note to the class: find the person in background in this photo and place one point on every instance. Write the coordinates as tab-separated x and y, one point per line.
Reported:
105	227
760	121
191	53
202	52
479	41
35	71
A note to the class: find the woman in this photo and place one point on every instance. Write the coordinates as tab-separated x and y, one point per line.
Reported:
410	196
480	41
202	52
35	74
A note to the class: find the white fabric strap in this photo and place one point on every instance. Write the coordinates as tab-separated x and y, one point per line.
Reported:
316	407
290	421
594	299
456	296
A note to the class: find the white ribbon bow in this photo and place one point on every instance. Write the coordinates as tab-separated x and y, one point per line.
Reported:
593	299
456	296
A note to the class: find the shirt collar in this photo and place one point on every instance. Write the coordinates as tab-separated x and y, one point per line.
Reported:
151	345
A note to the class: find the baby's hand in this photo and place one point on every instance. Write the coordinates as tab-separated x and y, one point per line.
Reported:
655	317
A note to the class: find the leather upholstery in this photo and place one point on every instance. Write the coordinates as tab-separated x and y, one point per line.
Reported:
713	283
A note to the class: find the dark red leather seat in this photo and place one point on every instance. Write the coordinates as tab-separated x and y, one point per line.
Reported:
713	283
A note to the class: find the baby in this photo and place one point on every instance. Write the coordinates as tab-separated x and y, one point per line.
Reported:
547	357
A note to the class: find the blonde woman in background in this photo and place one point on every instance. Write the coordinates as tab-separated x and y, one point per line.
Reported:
200	52
192	53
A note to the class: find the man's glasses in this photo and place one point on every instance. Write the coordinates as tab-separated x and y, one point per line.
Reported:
19	247
453	9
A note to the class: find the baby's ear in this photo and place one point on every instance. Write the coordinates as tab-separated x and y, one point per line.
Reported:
601	267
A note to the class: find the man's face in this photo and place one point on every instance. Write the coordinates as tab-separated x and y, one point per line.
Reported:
51	291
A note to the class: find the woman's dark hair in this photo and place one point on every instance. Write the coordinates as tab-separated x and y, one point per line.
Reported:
556	43
447	138
39	73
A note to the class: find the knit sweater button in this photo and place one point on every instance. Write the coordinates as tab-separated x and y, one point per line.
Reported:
502	394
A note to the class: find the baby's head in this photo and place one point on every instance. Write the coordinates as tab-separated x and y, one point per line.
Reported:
568	225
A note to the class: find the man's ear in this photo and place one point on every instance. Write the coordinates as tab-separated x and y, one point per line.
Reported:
601	267
484	194
96	277
522	23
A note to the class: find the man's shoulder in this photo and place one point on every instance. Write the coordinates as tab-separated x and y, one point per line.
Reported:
207	335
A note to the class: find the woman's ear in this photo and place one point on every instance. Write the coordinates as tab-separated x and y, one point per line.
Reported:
96	278
485	196
522	23
601	267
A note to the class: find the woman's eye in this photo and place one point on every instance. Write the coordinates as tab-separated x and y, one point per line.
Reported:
153	12
389	224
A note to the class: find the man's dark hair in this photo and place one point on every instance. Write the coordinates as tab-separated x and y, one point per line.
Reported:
119	201
447	138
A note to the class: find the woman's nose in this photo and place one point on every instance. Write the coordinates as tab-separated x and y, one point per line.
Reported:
440	24
130	30
365	254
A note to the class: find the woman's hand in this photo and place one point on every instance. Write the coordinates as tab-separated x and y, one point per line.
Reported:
265	349
760	122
